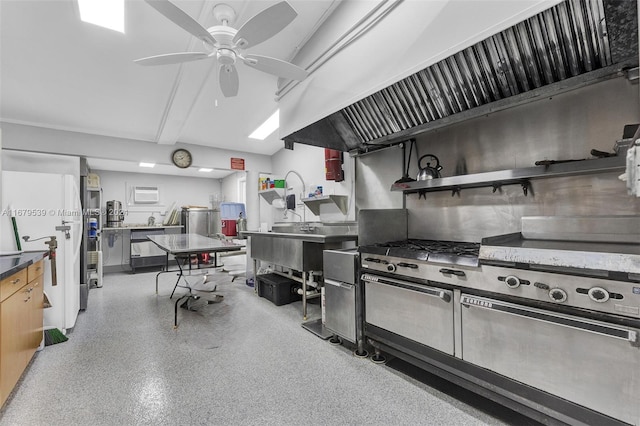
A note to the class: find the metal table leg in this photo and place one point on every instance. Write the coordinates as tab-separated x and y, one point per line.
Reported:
175	309
180	274
304	296
166	269
255	277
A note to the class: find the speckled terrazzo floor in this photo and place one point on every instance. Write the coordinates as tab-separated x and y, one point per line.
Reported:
240	361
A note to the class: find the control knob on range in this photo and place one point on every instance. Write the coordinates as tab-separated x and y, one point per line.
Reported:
512	281
391	267
557	295
598	294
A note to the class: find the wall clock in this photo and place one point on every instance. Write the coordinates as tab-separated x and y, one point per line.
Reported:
181	158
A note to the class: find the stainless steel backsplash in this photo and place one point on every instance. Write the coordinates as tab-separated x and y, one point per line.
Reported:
564	127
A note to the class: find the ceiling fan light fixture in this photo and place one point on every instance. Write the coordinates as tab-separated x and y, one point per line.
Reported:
268	127
226	56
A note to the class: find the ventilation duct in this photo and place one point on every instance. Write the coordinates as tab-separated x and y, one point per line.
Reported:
575	43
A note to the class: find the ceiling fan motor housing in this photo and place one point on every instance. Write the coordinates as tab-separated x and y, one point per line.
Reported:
224	36
226	56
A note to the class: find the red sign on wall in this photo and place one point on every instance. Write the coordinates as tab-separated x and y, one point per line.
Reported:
237	163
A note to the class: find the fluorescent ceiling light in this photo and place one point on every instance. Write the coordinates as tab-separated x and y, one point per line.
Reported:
267	127
147	164
204	169
104	13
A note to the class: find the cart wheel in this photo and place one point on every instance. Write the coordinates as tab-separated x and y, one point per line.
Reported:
378	358
335	340
362	354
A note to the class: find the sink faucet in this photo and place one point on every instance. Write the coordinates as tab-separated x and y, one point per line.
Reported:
303	218
304	226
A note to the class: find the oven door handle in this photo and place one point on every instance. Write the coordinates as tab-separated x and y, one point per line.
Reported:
444	295
338	283
551	318
448	271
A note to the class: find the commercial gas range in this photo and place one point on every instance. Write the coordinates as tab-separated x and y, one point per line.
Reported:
546	322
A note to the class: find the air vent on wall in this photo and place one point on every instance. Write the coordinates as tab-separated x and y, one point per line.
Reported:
146	195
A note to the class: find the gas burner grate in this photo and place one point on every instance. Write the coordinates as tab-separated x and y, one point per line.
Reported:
457	248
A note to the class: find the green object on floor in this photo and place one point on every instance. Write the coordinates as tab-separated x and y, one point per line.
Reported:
53	336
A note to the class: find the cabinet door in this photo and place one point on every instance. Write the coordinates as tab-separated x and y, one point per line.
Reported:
14	320
35	306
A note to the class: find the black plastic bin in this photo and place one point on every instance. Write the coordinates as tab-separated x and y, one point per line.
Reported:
278	289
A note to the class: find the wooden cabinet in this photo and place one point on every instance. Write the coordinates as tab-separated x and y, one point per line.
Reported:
21	313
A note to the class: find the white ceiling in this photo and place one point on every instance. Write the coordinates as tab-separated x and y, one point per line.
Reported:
58	72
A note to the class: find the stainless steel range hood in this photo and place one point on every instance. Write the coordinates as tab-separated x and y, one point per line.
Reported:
576	43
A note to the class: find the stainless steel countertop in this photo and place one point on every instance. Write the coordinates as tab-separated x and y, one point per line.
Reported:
129	227
192	243
514	248
310	237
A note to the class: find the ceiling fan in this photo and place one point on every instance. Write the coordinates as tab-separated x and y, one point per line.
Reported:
226	44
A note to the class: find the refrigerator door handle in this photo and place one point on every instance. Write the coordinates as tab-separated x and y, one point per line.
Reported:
77	205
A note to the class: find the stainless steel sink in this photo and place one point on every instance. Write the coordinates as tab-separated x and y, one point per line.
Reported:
316	228
299	246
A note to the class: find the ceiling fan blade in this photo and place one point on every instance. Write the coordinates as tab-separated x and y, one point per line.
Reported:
182	19
265	25
228	77
276	67
172	58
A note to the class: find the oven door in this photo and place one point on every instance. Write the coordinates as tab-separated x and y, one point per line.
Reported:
414	311
591	363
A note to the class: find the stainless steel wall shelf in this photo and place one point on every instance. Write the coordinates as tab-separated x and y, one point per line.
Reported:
313	203
513	176
272	194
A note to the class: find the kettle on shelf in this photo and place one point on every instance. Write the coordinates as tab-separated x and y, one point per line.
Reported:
429	171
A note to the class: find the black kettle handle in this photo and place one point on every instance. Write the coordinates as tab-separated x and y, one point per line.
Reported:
432	156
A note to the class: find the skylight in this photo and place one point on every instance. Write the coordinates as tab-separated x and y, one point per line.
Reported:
267	127
105	13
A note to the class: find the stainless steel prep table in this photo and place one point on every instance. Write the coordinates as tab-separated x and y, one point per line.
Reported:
185	246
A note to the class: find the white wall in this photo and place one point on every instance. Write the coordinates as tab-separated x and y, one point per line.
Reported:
0	169
229	187
19	161
411	37
308	161
183	190
39	139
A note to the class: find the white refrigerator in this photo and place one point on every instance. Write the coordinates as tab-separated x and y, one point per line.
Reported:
41	202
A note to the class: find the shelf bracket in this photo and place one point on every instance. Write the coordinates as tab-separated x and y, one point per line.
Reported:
455	190
422	194
497	187
526	187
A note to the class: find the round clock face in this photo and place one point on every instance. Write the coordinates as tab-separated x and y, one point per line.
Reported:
181	158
